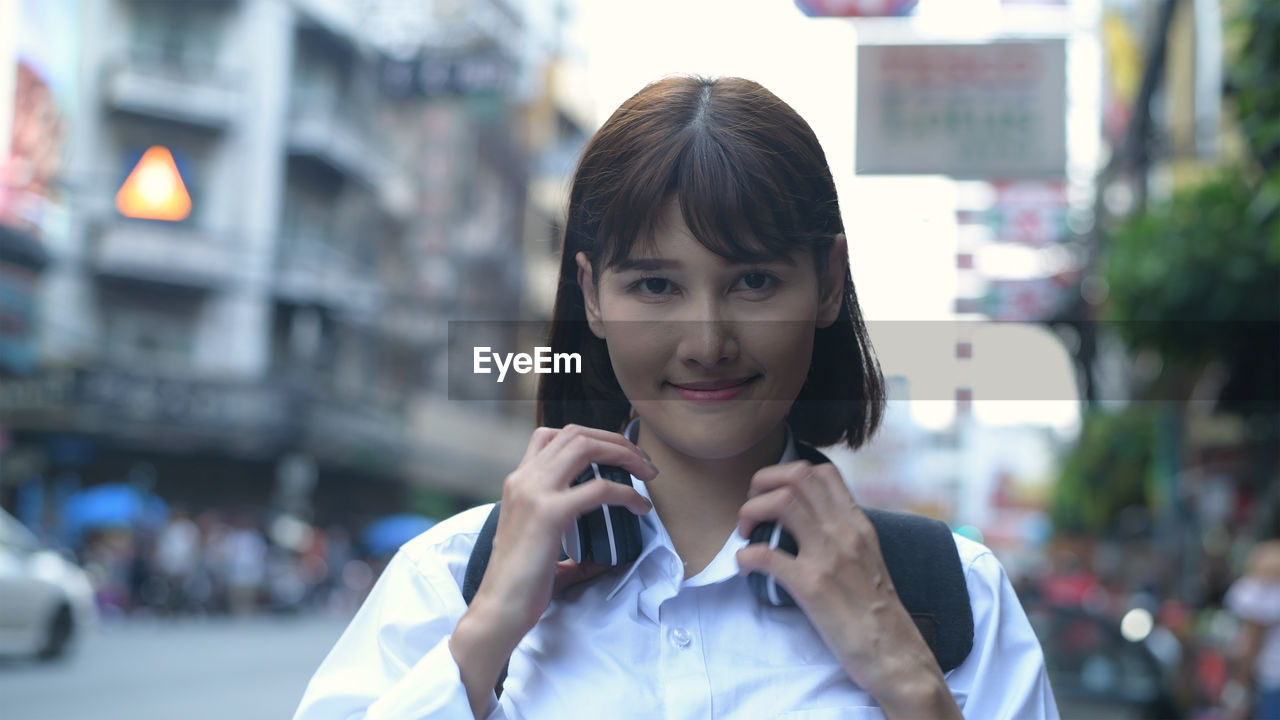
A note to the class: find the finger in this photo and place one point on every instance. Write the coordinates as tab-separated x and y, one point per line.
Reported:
568	432
538	440
570	573
827	492
565	460
775	476
758	557
786	504
594	493
822	485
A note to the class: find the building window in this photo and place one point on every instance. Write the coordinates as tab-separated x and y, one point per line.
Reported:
177	36
140	336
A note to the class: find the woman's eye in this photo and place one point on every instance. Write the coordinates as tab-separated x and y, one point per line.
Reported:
652	285
758	280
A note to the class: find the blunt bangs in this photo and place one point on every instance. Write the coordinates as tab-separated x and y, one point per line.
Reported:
733	167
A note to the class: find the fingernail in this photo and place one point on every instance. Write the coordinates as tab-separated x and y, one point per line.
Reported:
654	467
643	454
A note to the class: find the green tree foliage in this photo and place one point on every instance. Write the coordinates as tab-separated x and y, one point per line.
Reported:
1255	96
1198	278
1185	276
1109	470
1251	80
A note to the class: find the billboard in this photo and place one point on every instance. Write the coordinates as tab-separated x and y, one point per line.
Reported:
976	111
44	96
38	69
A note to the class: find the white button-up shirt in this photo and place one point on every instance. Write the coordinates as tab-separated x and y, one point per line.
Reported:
641	641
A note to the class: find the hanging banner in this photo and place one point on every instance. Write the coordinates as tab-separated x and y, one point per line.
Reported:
857	8
973	111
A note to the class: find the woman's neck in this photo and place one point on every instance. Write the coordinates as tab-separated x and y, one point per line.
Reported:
698	499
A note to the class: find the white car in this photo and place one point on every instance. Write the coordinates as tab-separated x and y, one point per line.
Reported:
46	601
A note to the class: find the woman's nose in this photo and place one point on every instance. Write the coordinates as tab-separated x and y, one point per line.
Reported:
708	337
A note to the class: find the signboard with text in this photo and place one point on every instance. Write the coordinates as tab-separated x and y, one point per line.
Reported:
992	110
857	8
1032	213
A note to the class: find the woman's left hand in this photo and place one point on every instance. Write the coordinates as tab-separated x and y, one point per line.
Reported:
840	580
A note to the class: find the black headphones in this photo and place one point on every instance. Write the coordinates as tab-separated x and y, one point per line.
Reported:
610	535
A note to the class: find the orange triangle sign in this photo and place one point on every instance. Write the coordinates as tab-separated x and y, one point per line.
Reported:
154	189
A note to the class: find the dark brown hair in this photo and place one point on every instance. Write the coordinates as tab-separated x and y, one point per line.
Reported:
742	164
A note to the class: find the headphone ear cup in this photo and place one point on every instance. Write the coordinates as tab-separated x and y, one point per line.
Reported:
626	524
614	539
626	534
766	587
584	536
599	533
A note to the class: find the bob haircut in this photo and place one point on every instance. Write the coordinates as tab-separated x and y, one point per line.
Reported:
753	184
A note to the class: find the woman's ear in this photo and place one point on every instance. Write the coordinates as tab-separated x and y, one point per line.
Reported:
590	296
832	283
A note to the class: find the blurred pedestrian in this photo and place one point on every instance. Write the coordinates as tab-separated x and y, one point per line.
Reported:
245	554
1255	599
1069	583
208	594
177	558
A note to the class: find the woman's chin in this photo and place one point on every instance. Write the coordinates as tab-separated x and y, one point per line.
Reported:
704	435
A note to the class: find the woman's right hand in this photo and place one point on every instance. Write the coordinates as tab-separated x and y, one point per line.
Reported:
524	570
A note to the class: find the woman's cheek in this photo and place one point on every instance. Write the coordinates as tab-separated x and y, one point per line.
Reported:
790	348
638	372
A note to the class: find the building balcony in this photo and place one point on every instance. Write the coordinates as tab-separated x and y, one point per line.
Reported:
356	434
163	253
313	272
337	142
150	409
259	417
190	93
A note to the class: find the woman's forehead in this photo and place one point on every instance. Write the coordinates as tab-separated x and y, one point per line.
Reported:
667	232
669	251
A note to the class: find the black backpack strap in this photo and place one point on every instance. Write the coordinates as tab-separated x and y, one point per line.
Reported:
924	564
477	563
479	560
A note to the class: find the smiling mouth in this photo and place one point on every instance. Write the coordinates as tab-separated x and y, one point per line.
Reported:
715	384
713	390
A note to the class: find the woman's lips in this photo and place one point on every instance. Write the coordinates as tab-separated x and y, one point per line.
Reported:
713	391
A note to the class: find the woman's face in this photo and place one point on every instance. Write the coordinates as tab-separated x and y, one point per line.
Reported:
711	354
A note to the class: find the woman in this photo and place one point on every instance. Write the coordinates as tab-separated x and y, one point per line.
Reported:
704	282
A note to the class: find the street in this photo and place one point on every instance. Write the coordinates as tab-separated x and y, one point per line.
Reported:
193	669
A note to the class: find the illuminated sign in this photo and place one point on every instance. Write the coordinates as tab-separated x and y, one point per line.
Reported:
154	189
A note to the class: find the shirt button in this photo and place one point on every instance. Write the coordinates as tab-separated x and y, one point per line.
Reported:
681	638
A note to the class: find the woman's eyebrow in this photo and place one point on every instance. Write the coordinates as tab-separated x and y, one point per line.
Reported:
646	264
663	263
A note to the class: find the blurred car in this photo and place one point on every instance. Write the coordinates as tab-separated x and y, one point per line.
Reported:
1098	674
46	601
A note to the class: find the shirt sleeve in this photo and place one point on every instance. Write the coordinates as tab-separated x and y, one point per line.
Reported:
393	660
1004	676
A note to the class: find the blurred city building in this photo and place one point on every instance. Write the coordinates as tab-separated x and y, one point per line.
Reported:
260	217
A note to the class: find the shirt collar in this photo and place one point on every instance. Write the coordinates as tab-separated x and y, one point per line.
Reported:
655	536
